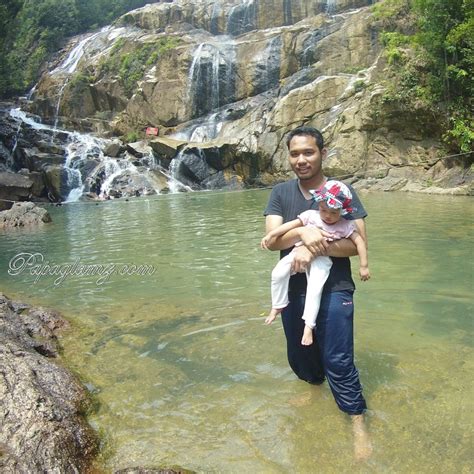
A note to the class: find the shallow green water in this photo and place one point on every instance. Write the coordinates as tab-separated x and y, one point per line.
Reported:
187	374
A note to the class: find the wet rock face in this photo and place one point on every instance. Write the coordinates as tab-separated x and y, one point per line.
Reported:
41	404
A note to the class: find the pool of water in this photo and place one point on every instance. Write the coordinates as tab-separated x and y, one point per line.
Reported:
168	334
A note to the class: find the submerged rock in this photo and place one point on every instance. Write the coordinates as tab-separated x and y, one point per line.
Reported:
42	405
152	470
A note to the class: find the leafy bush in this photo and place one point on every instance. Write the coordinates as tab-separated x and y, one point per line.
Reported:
432	61
129	60
131	137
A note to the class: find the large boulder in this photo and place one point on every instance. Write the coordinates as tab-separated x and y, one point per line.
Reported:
56	178
13	187
165	147
42	405
23	214
38	189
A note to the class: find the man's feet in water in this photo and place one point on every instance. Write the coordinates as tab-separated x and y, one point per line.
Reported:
307	336
273	314
362	445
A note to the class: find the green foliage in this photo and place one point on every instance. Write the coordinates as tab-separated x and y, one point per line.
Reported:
461	133
79	83
30	31
131	137
128	61
395	43
432	63
388	10
360	85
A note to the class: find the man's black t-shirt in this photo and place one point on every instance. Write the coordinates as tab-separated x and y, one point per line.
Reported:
287	201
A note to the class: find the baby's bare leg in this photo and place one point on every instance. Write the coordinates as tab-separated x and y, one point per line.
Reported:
307	339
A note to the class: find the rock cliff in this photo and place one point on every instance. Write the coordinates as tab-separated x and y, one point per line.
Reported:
236	76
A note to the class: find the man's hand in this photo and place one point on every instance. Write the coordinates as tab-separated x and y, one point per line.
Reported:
315	240
301	260
265	242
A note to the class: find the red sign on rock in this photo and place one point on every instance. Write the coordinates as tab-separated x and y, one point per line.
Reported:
151	131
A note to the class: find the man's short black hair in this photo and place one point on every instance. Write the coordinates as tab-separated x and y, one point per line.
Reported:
308	131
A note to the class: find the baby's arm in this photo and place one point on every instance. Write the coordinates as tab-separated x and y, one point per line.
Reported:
363	256
282	229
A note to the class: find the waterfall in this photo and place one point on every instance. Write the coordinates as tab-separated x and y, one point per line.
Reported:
214	22
69	65
58	104
208	130
80	149
267	69
242	18
204	73
202	130
15	144
330	6
74	179
18	114
86	166
112	169
211	78
174	183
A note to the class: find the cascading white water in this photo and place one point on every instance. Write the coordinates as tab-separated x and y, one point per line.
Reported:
112	169
174	184
330	6
80	148
58	103
18	114
241	18
85	152
69	65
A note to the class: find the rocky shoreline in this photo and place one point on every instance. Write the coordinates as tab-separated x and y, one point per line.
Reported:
43	406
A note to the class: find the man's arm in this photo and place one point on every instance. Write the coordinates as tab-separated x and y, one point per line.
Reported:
312	239
278	231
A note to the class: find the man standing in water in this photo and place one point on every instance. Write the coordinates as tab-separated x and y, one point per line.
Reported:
332	353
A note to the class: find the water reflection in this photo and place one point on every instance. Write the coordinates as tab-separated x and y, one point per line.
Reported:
186	373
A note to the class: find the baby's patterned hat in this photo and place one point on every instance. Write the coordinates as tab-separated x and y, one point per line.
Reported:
336	195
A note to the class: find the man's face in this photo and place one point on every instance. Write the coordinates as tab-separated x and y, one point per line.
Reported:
305	157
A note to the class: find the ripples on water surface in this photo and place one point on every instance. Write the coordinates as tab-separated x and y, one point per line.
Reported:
187	374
